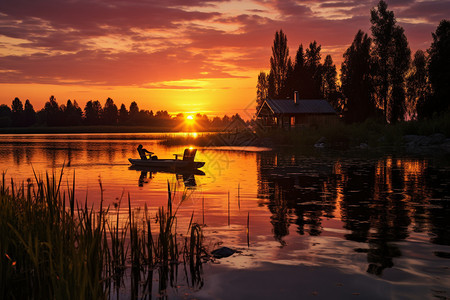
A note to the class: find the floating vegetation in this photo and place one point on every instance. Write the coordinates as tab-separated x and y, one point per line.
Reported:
53	247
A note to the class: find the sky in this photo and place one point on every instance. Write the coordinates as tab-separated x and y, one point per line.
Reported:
176	55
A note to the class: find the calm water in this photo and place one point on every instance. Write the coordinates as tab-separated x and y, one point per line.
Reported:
322	226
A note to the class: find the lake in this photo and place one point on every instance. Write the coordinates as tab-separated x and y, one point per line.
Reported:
321	225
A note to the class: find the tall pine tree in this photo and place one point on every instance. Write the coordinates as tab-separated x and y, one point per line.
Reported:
356	79
392	56
280	66
439	69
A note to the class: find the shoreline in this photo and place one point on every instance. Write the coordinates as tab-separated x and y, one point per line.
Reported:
91	129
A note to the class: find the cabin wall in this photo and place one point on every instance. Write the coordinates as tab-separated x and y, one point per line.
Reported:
316	120
291	121
266	117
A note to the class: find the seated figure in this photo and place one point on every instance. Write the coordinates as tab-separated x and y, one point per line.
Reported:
143	152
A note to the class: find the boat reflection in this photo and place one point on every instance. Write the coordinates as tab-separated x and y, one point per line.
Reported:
187	176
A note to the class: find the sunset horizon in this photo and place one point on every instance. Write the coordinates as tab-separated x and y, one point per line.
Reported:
203	57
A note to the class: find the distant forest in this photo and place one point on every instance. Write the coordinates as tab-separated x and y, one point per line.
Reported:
93	114
379	79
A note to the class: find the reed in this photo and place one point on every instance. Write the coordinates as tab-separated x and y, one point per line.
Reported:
248	229
229	209
239	195
50	250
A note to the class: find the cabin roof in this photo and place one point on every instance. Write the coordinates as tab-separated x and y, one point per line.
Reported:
304	106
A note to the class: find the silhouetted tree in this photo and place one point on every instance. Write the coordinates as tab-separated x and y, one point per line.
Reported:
356	79
72	114
162	118
162	114
5	116
29	114
280	64
52	113
329	87
262	89
439	70
17	112
78	112
297	80
401	62
92	112
417	87
225	120
383	23
216	122
202	121
134	112
392	56
123	114
110	113
313	68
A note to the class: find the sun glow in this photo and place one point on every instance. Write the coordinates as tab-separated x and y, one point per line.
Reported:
190	120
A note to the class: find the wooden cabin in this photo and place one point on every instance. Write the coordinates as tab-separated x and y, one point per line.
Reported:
296	113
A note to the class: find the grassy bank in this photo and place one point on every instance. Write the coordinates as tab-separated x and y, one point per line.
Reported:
216	139
371	132
340	136
54	248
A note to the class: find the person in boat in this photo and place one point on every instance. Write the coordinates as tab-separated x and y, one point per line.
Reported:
143	153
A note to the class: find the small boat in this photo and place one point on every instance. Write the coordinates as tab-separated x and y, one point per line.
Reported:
187	162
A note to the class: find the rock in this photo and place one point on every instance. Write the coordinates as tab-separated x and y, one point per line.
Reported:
424	141
382	140
410	138
446	145
420	142
416	140
319	145
223	252
322	140
437	138
363	146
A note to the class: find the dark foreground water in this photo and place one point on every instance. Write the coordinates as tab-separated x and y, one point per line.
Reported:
328	225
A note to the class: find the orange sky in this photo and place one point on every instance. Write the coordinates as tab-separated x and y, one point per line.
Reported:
176	55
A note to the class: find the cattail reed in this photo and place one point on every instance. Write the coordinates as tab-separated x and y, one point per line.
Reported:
203	211
239	195
228	208
50	251
248	229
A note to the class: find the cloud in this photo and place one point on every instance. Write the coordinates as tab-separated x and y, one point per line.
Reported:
98	67
146	43
429	11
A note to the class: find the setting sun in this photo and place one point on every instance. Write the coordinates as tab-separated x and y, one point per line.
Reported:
190	120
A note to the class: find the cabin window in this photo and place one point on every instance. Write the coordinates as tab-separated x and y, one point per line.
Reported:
292	121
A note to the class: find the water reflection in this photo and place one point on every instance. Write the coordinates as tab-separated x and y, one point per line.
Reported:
185	176
379	201
369	215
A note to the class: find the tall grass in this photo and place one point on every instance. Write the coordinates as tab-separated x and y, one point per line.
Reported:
50	250
372	132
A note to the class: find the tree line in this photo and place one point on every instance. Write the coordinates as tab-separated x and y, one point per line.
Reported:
378	77
94	114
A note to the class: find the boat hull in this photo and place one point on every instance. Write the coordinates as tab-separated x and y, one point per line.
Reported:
166	163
